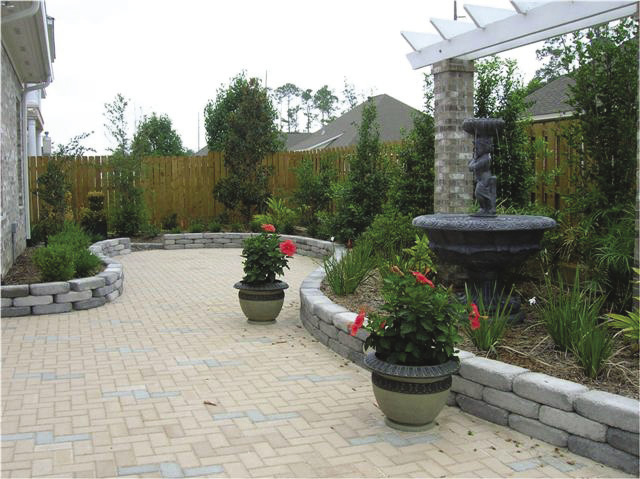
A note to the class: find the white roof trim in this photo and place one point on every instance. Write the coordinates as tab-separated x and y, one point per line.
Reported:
542	20
323	142
552	116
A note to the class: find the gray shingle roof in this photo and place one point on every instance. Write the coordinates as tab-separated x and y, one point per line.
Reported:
552	98
393	117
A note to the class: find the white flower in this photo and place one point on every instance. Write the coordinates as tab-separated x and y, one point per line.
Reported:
532	301
332	238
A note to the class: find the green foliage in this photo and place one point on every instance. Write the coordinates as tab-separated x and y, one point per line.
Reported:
500	93
306	98
170	221
419	321
263	259
175	230
493	320
419	256
628	324
149	230
313	193
214	226
155	136
197	226
411	189
128	213
241	124
71	235
279	215
94	218
592	347
86	263
288	92
390	232
360	198
344	275
55	262
326	103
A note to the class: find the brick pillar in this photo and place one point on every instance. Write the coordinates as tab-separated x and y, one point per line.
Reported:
453	92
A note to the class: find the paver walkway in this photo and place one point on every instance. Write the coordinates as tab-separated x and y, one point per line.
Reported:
171	381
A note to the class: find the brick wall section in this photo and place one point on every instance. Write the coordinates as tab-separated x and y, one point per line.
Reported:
591	423
11	211
76	294
453	95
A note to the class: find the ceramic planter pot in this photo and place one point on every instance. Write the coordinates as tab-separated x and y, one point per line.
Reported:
410	396
261	303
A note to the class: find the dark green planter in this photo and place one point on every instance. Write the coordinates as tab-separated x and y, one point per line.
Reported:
410	396
261	303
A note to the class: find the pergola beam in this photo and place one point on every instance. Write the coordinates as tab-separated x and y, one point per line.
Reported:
540	22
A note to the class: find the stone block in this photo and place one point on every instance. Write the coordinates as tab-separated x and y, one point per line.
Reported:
184	241
167	242
491	373
623	440
193	236
338	348
462	355
177	236
84	284
352	342
511	402
6	302
39	289
221	240
466	387
573	423
108	289
118	247
311	283
451	399
112	296
604	453
110	277
548	390
125	251
231	245
617	411
308	319
211	235
343	321
73	296
315	302
14	291
89	303
194	246
174	246
320	336
33	300
326	311
53	308
536	429
201	241
15	311
329	329
482	410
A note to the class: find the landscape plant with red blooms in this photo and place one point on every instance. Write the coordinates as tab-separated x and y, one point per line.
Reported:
358	322
487	324
418	323
265	256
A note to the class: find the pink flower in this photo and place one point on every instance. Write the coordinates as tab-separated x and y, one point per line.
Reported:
288	247
359	321
268	228
474	317
421	278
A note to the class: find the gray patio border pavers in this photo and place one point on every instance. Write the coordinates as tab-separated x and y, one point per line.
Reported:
591	423
76	294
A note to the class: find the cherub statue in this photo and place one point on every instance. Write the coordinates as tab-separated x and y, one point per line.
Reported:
485	182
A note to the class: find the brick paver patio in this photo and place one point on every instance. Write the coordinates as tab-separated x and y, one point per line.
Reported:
171	381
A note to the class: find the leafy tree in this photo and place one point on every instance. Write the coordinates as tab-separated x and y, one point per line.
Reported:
556	64
360	198
500	93
411	188
247	133
128	213
313	193
306	98
288	92
326	103
351	97
155	136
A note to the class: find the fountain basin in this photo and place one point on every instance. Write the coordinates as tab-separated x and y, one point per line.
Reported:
484	245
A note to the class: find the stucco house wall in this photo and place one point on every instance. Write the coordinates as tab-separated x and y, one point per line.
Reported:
12	199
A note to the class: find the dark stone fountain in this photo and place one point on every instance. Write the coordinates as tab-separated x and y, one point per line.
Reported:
484	244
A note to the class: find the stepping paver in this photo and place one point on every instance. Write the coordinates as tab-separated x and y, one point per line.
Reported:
169	380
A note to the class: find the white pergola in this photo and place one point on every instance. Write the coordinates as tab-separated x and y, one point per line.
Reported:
451	50
495	30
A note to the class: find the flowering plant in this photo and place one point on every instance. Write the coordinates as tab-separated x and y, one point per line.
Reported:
265	256
418	325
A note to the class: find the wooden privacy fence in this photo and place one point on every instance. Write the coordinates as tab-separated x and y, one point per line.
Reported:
180	184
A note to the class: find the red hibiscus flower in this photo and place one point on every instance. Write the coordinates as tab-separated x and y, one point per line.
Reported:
474	317
288	248
383	324
421	278
359	321
268	228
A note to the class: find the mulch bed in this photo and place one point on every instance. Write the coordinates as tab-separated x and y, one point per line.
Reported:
527	344
23	271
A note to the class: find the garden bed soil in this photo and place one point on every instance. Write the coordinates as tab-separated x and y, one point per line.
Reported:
527	345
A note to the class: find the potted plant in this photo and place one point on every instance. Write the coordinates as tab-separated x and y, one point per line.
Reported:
265	257
413	338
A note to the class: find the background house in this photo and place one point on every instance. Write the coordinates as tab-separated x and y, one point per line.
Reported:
27	54
551	115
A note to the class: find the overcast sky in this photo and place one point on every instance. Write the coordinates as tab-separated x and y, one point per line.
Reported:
170	57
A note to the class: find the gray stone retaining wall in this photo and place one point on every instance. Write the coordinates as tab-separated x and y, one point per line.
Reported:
591	423
75	294
305	246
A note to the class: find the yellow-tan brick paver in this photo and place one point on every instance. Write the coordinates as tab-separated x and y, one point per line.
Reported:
120	391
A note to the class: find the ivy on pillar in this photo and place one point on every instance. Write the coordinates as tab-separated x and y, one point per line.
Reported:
453	96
